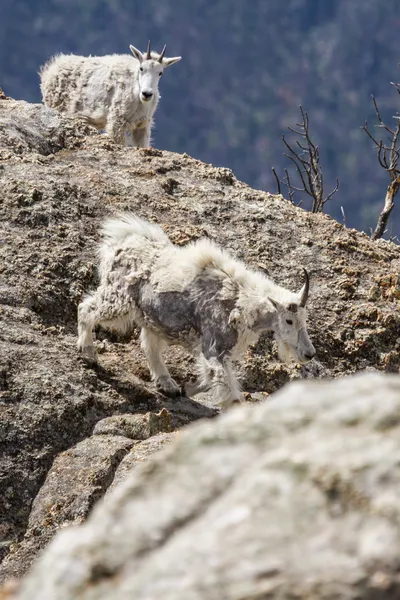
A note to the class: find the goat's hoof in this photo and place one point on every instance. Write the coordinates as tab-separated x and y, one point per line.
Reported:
88	355
226	404
168	386
192	388
188	389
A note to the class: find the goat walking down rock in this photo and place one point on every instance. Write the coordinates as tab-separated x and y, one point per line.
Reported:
118	93
196	296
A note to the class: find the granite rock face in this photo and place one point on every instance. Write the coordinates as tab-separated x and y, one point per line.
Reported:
294	498
58	180
35	128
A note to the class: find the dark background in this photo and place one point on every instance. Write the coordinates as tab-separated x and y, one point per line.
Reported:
247	65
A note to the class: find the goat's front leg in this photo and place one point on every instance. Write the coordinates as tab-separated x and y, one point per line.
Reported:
141	137
128	139
153	346
217	375
116	127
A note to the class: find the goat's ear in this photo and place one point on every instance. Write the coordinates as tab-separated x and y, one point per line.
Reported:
275	304
137	54
167	62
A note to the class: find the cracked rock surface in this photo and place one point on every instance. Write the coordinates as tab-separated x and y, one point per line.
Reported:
58	181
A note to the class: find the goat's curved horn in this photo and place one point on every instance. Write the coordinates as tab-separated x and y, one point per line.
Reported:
162	54
148	55
305	289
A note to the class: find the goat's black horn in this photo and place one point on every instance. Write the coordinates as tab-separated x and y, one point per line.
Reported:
162	54
305	290
148	55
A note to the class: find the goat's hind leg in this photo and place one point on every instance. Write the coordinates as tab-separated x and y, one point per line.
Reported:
87	318
218	376
153	346
203	381
224	384
100	309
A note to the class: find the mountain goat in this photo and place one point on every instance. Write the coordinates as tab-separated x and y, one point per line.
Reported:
197	296
118	93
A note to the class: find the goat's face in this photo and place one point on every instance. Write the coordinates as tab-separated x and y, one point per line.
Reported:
289	325
151	67
291	333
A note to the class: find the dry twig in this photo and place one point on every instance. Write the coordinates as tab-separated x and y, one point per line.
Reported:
388	158
306	160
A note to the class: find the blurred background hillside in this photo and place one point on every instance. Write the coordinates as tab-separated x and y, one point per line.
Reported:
246	68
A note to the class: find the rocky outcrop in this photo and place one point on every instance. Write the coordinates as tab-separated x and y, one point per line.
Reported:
58	180
28	127
294	498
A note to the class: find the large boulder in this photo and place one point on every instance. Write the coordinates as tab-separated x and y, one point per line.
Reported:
36	128
57	184
295	498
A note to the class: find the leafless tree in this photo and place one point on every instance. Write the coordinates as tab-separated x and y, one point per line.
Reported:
388	157
305	157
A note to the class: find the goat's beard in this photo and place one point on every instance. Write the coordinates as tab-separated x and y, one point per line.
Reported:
286	352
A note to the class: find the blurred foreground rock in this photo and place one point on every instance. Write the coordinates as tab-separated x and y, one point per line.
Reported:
294	498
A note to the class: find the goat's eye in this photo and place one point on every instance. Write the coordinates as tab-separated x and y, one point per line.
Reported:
141	68
160	74
289	321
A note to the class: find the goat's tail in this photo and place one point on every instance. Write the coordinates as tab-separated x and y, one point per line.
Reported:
116	230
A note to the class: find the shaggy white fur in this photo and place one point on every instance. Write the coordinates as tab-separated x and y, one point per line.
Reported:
198	296
118	93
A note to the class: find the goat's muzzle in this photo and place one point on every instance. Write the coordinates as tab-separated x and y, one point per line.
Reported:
147	96
305	349
305	357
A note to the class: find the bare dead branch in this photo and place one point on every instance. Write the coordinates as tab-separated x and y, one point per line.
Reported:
306	159
335	189
396	86
278	183
290	189
301	174
367	131
388	158
388	206
382	158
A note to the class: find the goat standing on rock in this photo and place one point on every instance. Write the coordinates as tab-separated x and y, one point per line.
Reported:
197	296
117	93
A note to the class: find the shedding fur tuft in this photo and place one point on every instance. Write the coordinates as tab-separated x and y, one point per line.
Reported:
116	230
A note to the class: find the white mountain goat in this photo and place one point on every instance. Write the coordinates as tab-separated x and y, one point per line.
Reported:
197	296
118	93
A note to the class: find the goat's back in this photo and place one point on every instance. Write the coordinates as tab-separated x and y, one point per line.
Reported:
59	79
65	76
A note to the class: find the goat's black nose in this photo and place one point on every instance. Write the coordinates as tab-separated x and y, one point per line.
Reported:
147	94
309	355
